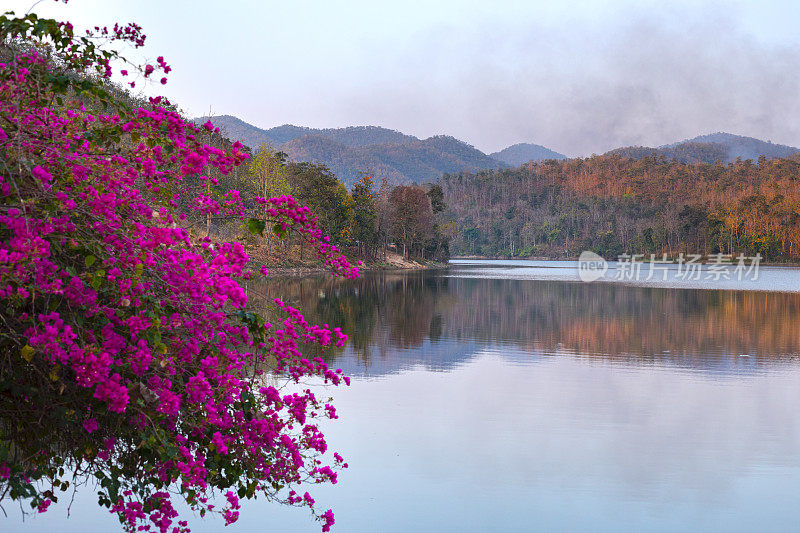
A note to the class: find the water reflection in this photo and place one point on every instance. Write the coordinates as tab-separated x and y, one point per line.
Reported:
520	405
438	320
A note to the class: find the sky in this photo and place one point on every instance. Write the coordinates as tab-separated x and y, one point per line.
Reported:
579	77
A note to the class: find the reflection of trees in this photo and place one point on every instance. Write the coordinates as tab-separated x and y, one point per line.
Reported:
627	322
410	314
382	311
377	311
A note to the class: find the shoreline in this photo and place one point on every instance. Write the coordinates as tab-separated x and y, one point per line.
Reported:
300	271
575	259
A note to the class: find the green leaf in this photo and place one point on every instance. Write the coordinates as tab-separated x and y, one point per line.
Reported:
90	260
256	226
278	230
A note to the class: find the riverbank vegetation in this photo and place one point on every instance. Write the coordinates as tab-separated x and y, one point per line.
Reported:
369	223
612	205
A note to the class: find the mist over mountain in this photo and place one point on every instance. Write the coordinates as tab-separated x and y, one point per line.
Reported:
744	147
712	148
686	152
521	153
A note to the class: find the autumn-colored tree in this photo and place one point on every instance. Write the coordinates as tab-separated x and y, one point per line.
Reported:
411	217
613	204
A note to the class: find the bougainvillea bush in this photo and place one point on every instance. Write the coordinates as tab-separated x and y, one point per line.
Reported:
128	357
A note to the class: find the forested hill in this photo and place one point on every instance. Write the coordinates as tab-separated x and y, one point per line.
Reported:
349	151
745	147
688	152
419	161
521	153
716	147
383	152
252	136
612	205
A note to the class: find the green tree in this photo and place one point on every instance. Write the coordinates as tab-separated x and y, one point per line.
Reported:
438	245
366	216
436	196
266	174
318	188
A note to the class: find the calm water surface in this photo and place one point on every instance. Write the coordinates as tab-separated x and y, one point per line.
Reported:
505	396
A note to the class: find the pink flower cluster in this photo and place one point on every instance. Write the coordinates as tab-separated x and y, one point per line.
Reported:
146	325
291	215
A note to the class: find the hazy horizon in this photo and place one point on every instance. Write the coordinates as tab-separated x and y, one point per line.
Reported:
344	126
578	79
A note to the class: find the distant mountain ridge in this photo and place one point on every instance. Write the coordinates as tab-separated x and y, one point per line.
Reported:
521	153
712	148
254	136
382	151
403	158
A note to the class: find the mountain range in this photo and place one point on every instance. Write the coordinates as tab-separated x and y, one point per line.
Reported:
403	158
384	152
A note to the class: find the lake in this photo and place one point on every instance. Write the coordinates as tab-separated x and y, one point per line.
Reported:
509	396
